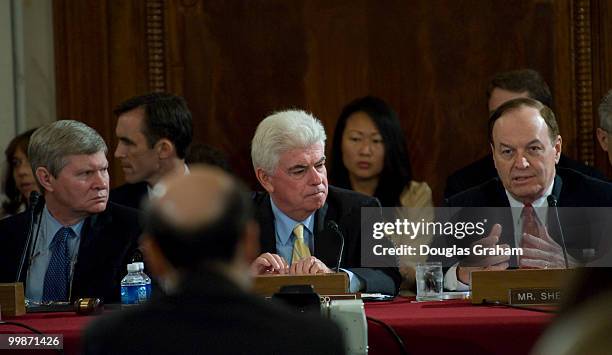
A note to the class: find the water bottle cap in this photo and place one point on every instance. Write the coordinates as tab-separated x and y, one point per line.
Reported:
140	265
132	267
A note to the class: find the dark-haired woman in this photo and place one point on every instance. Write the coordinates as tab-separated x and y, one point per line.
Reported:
19	181
369	155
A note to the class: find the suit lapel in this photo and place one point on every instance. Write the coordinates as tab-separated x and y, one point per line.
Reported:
320	218
499	200
18	237
319	231
551	218
89	247
557	188
266	225
498	195
92	231
83	257
326	244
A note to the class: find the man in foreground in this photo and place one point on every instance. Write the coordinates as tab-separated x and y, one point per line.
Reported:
199	238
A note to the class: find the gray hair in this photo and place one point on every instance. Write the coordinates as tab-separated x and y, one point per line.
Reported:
283	131
605	112
51	144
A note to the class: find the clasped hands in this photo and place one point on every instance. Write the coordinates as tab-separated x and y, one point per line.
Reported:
539	252
269	263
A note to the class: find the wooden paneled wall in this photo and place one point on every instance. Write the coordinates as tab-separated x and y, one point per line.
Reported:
236	61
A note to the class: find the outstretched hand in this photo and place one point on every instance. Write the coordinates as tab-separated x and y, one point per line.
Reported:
484	262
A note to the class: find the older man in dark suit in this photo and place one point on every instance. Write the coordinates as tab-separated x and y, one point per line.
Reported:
526	145
303	219
80	244
503	87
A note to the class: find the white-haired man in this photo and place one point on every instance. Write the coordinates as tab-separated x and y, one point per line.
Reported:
288	153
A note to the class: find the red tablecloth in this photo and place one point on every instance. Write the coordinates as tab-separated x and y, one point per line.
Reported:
453	327
67	323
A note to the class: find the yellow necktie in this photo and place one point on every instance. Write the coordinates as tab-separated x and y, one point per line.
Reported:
300	250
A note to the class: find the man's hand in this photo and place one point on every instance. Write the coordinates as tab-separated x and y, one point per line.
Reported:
309	266
543	252
483	262
269	263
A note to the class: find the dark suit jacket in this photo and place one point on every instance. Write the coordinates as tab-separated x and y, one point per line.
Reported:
582	228
484	170
109	241
211	315
130	195
344	208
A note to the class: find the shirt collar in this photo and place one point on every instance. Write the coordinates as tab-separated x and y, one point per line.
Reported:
540	202
54	225
284	224
185	172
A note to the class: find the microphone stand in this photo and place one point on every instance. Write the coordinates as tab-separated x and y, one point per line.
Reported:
552	202
334	227
34	201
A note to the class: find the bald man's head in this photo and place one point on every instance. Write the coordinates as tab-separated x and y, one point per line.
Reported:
188	202
199	217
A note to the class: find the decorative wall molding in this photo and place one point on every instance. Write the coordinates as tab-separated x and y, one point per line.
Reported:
155	41
583	78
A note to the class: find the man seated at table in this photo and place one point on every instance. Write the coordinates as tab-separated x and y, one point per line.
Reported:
199	239
503	87
80	244
295	213
526	144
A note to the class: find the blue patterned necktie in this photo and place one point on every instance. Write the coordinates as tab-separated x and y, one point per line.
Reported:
56	283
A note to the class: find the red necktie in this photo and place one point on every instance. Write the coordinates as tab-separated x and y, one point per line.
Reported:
531	224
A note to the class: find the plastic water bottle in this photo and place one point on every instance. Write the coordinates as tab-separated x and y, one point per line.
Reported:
146	278
133	287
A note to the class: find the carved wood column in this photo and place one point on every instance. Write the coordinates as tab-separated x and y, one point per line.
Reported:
583	78
155	39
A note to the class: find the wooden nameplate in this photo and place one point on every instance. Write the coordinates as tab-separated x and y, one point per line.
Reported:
496	286
12	300
324	284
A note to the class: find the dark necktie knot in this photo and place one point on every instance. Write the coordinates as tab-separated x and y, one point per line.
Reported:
60	237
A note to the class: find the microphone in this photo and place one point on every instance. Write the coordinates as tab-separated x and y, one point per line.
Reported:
552	202
34	201
334	227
